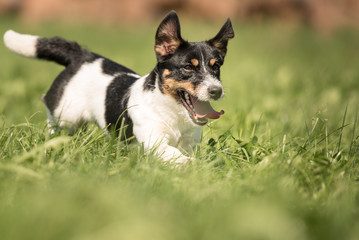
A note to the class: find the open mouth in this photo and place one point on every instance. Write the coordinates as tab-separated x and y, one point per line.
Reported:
200	111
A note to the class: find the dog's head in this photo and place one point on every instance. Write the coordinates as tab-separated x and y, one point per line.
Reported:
190	71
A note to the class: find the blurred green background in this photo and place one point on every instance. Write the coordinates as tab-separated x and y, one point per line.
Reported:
280	164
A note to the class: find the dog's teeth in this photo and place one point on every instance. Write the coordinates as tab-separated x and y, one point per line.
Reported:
188	100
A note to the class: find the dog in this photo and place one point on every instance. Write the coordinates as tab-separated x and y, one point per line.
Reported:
164	109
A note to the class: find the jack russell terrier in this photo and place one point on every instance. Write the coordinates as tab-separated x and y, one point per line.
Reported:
164	109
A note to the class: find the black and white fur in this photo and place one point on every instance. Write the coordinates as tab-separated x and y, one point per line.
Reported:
163	110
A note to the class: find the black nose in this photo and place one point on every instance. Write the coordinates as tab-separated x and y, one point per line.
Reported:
215	92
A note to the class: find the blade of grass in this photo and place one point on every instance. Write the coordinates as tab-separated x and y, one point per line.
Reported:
341	132
353	134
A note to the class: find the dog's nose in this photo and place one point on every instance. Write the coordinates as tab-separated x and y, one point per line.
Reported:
215	92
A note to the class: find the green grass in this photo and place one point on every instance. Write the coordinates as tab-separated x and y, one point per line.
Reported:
282	163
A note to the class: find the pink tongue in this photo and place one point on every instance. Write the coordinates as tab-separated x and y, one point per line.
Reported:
205	110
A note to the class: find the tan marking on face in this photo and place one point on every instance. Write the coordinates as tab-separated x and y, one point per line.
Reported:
220	48
195	62
171	86
166	73
212	62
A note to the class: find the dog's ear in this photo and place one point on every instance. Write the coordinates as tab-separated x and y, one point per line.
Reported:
168	36
220	41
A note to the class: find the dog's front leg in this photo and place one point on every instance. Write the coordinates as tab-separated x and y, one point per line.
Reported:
169	153
160	145
191	139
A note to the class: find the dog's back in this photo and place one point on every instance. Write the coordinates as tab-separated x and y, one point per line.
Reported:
90	88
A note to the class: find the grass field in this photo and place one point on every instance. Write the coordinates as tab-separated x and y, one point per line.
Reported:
282	163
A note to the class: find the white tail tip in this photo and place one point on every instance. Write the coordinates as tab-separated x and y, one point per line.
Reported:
22	44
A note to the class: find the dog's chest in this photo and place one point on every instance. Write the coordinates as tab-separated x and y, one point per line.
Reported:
159	115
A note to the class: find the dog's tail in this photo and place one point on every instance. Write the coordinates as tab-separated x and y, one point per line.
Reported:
53	49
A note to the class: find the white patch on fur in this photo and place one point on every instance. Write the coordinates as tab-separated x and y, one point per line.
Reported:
209	81
160	123
133	75
22	44
128	74
84	97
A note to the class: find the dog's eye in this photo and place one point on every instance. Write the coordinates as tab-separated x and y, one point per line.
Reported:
215	67
188	67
